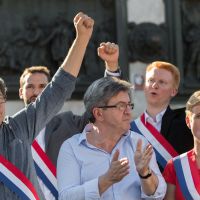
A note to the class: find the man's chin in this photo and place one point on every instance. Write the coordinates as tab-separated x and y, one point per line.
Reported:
30	101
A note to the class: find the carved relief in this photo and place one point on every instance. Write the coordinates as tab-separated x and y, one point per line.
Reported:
147	42
34	37
191	37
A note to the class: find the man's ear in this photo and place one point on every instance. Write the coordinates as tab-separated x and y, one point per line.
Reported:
20	93
97	113
187	120
174	92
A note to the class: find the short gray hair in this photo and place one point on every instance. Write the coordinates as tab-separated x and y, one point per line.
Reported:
101	91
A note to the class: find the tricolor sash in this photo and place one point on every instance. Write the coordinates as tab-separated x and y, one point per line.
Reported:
16	181
45	169
187	175
163	149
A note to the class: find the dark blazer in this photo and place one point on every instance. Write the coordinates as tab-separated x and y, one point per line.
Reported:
60	128
175	130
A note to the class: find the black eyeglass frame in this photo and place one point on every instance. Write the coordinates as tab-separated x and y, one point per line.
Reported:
131	105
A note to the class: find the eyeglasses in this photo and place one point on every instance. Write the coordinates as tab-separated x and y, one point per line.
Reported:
120	106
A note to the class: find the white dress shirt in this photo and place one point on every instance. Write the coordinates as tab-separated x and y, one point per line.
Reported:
158	119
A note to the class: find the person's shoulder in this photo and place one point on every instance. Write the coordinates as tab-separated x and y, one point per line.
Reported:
176	112
64	114
136	136
72	141
60	118
179	110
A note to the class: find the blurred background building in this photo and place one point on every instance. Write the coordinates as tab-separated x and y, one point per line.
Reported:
35	32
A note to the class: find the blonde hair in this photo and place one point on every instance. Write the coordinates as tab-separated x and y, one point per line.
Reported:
193	101
169	67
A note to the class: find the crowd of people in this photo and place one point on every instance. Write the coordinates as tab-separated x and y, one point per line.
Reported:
101	154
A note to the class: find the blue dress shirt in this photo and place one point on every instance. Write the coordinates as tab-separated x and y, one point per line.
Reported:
80	164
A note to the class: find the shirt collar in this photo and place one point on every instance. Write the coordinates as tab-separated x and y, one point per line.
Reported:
83	137
158	116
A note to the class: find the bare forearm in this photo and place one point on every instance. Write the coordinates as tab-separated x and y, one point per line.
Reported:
73	60
104	184
150	184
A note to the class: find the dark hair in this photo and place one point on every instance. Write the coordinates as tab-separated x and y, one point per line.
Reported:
3	88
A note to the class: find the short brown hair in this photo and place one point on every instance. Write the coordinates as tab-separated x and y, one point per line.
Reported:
193	101
169	67
32	70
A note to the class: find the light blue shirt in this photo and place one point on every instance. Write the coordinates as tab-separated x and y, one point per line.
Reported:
80	164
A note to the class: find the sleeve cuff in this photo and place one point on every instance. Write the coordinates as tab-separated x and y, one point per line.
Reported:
92	189
116	73
160	190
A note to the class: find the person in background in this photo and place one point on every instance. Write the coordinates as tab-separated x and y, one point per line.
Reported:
182	173
107	160
18	178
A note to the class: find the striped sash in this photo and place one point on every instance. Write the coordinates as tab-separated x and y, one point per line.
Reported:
163	149
188	176
16	181
45	169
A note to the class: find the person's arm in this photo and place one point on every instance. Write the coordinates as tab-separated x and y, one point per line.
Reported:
170	195
109	53
169	174
69	175
152	183
84	28
149	181
36	115
117	171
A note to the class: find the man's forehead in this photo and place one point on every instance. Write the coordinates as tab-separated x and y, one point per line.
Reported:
35	78
160	72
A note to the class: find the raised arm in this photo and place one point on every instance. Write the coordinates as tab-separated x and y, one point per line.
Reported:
84	28
109	53
51	100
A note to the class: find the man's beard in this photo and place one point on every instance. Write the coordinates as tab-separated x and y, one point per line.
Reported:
31	100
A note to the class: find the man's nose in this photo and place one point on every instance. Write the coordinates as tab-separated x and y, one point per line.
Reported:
37	91
155	85
128	109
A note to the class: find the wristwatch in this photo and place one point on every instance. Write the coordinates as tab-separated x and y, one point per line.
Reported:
146	176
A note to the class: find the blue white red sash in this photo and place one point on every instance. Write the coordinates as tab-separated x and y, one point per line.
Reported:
163	149
45	169
187	175
16	181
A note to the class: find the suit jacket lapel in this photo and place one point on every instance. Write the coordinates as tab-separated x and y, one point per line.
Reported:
166	121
